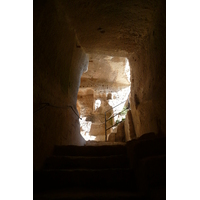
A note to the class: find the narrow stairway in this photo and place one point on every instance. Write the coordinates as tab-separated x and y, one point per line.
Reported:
86	172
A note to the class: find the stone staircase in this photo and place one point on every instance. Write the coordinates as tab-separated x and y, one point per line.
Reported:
86	172
133	170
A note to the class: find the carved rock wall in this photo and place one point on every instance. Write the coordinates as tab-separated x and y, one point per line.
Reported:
57	67
133	28
148	79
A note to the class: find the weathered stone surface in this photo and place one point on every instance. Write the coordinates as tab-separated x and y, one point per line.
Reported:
129	127
58	66
111	137
136	30
133	29
120	135
113	27
100	85
105	73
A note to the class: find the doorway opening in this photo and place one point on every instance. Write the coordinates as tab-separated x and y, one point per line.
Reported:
105	85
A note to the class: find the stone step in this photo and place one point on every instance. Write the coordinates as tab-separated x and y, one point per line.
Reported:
104	178
91	151
89	194
77	162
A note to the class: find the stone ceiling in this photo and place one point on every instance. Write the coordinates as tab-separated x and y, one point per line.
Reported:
111	27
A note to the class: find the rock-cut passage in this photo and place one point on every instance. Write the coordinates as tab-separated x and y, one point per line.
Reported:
104	85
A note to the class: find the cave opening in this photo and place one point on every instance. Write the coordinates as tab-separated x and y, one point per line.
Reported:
104	85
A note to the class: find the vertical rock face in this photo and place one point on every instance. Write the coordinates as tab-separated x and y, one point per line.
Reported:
148	84
58	66
129	128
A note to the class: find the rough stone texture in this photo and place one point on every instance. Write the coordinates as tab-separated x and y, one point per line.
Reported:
106	75
86	103
120	135
134	29
58	66
111	137
148	84
129	127
114	27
